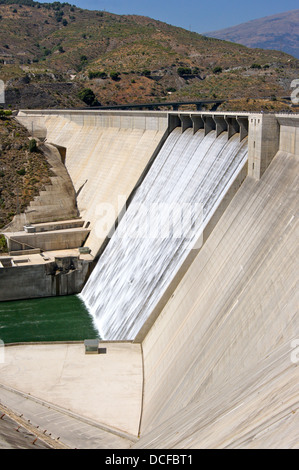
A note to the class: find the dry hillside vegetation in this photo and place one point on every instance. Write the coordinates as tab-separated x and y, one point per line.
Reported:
58	55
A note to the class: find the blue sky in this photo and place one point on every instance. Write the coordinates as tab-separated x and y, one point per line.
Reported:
195	15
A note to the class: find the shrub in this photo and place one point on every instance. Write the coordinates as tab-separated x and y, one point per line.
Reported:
114	75
184	71
3	244
217	70
92	75
21	172
88	96
171	89
32	146
5	113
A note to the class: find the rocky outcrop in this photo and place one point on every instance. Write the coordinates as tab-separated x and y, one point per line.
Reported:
57	201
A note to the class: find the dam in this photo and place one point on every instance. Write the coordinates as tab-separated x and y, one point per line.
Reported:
198	325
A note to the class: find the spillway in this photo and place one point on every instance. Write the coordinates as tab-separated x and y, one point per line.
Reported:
190	175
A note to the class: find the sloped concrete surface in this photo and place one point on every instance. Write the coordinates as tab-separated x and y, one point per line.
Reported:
14	435
235	307
260	409
53	427
103	388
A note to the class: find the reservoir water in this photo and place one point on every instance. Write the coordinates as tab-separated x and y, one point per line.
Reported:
48	319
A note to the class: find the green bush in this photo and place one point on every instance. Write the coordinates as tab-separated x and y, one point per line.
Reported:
88	96
32	146
217	70
3	244
114	75
92	75
5	113
184	71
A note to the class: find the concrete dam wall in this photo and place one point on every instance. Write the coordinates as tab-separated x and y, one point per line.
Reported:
213	364
223	341
105	155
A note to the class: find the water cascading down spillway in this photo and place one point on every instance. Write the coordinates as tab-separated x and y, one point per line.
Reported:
169	211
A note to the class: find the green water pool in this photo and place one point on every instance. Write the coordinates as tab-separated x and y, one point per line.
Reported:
50	319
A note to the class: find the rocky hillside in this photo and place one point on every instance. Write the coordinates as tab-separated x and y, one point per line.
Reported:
58	55
24	170
279	32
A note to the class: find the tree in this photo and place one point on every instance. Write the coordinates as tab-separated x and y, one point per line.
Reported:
88	96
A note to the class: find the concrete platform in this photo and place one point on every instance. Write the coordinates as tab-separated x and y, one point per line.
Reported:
104	389
58	225
46	257
48	240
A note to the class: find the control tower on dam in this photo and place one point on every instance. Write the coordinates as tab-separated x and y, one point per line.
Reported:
200	331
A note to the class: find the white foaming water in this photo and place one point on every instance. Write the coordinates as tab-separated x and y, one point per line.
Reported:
135	270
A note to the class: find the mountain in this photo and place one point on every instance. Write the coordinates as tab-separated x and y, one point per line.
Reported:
279	32
58	55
